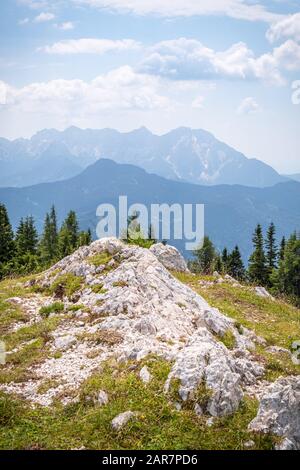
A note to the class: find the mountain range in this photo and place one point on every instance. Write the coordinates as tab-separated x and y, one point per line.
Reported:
232	212
184	154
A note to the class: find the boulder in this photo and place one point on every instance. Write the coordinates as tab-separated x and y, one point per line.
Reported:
121	420
262	292
169	257
63	343
279	412
145	375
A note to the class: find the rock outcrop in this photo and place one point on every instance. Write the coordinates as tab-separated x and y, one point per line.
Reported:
126	305
169	257
279	412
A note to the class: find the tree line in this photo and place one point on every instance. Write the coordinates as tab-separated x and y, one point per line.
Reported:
272	265
25	252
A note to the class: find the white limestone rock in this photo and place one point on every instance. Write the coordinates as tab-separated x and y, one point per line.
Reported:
122	419
102	398
145	375
64	343
169	257
279	412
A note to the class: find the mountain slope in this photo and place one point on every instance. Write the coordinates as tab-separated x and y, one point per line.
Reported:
183	154
231	212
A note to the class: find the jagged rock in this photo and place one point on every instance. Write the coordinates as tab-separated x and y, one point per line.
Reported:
279	412
169	257
277	350
64	342
145	375
102	398
122	419
262	292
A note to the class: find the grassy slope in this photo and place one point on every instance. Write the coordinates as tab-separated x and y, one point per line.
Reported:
158	426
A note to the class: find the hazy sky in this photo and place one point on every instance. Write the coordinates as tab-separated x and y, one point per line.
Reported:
226	66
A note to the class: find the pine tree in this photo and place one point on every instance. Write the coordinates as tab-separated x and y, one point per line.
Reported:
205	257
218	264
85	238
68	237
65	247
282	249
287	278
72	226
225	259
49	240
271	248
236	266
26	237
6	237
257	263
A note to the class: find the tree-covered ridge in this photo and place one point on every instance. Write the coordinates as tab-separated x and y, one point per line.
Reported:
26	252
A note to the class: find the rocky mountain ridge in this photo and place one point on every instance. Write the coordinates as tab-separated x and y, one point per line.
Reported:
183	154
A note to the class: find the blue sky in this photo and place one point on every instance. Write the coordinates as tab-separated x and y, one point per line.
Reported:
223	65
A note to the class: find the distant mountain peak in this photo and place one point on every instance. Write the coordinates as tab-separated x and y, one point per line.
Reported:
185	154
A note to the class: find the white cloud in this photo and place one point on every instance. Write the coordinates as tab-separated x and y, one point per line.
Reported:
248	106
23	21
66	26
44	17
188	59
119	89
90	46
240	9
288	27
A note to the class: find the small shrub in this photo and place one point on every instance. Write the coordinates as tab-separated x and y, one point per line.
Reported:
67	284
108	337
120	284
228	339
98	289
100	259
56	307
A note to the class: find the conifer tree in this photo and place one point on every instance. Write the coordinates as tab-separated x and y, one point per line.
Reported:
271	248
26	237
257	263
287	278
6	236
205	257
49	240
218	264
236	266
85	238
225	260
282	249
68	238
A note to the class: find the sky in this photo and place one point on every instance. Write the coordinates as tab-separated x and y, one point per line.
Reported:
231	67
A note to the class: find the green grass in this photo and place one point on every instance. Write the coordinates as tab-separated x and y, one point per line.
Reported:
99	289
67	283
158	425
32	343
56	307
100	259
11	313
278	322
